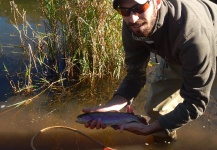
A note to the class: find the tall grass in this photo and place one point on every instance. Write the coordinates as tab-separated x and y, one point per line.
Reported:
81	41
89	32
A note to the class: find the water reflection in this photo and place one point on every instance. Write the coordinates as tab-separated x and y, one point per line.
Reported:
10	57
32	7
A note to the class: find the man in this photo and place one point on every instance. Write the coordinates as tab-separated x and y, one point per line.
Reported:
184	34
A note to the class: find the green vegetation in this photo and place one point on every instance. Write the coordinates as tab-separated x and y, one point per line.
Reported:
81	43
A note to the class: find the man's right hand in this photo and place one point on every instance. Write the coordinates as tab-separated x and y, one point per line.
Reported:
115	104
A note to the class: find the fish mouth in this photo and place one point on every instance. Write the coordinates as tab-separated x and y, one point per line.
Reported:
79	121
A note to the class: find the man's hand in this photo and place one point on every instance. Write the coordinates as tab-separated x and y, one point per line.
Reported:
140	128
115	104
95	124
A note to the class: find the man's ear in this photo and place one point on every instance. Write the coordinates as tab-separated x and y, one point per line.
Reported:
158	4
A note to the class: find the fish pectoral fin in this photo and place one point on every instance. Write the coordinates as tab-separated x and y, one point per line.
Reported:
115	127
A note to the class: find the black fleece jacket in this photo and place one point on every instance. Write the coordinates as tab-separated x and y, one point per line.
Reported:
185	34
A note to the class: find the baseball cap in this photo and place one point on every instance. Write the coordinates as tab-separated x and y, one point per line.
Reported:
116	3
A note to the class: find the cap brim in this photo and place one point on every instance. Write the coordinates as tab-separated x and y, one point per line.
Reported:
141	1
116	2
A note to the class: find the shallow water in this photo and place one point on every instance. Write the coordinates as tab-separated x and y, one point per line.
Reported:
18	126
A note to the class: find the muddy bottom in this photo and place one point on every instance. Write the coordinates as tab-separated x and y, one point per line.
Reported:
18	127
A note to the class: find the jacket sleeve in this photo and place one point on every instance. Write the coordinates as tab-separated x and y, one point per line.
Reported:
136	60
197	55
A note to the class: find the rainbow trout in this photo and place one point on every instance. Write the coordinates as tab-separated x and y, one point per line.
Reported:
111	118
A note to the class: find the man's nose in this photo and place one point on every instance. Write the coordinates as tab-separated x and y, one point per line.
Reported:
133	17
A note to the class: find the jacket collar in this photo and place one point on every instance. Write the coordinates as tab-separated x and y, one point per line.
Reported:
161	17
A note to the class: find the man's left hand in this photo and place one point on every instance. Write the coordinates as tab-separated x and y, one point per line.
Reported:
140	128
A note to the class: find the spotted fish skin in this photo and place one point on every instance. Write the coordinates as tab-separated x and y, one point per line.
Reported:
111	118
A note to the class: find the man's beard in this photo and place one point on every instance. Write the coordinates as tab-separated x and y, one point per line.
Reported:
147	27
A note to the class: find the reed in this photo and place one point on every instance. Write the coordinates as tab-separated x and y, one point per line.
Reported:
81	42
88	32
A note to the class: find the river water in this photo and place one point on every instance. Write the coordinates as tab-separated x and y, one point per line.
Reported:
19	125
10	56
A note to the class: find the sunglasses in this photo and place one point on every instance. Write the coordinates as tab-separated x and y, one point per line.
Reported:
138	8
